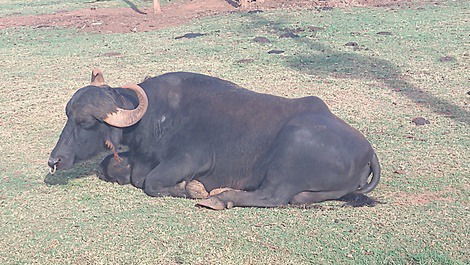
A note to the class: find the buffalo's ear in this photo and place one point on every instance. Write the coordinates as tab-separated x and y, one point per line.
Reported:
97	78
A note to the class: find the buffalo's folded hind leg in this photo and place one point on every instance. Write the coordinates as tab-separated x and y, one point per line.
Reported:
169	177
196	190
231	198
308	197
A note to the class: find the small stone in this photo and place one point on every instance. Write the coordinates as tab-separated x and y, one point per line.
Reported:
420	121
352	44
447	59
275	52
256	11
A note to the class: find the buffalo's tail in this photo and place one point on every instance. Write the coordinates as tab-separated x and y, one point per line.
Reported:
375	169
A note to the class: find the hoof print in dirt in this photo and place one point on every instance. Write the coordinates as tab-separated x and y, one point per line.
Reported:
190	36
261	40
245	61
420	121
289	35
276	51
384	33
446	59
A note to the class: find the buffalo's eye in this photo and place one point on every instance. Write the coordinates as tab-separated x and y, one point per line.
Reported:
87	124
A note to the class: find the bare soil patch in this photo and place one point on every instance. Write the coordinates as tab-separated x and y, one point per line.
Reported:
404	198
125	20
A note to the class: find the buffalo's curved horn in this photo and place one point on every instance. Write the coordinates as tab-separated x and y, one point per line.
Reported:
124	117
97	78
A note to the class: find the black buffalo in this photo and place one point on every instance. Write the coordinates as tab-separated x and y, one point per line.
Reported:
192	135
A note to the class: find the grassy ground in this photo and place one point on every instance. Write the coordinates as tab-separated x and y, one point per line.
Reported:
74	218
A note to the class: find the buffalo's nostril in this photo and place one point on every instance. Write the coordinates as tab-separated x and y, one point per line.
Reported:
53	161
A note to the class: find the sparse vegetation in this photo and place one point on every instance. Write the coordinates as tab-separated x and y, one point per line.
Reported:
378	86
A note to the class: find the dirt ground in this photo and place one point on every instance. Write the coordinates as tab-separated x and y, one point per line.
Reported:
125	20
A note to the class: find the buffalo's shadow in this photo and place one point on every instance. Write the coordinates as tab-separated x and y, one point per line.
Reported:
81	170
324	61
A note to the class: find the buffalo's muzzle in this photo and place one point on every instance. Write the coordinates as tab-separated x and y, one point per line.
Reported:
53	162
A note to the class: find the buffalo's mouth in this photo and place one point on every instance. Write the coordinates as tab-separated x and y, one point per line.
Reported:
58	163
53	164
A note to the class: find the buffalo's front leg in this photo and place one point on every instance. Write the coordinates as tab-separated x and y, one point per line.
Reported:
168	178
116	169
139	172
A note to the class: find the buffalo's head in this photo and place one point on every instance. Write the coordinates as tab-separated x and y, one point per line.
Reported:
96	115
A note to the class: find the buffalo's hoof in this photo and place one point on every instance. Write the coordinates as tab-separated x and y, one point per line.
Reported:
196	190
218	191
213	203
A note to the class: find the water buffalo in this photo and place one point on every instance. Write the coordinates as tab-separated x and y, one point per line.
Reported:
197	136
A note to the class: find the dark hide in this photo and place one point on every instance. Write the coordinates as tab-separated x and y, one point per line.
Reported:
271	150
85	132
